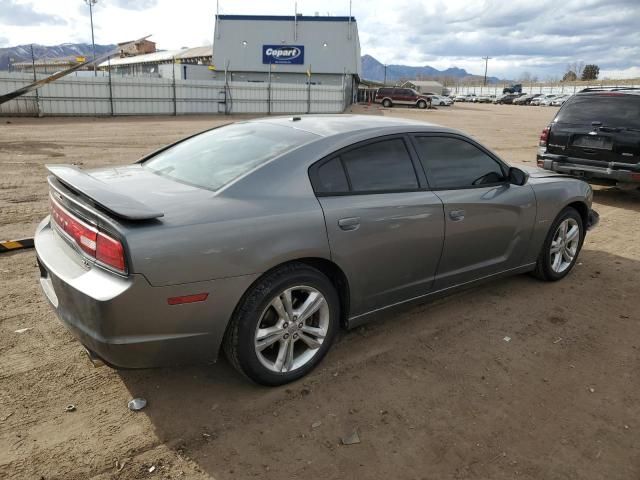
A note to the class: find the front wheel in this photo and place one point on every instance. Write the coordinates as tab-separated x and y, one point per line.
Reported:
422	104
387	103
561	247
284	326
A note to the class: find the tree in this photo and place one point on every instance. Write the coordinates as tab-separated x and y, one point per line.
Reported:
570	76
590	72
576	67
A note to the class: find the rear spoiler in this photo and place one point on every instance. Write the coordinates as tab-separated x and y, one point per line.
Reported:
120	205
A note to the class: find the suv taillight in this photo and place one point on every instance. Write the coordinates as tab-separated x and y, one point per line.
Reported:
96	244
544	137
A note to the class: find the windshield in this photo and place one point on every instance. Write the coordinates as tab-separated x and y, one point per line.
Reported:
613	110
214	158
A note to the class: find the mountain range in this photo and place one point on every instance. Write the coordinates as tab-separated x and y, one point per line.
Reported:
22	53
372	69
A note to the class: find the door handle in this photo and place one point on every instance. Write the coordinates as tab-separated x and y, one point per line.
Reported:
456	215
350	223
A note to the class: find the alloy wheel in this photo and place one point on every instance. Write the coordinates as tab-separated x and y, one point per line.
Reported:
564	245
291	329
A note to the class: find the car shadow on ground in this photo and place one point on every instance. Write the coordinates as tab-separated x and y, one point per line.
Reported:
538	344
615	197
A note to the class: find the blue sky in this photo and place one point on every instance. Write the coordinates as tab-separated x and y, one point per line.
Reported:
539	37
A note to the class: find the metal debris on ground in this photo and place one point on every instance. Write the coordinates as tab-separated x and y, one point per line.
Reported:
351	439
22	330
137	404
507	339
152	469
70	408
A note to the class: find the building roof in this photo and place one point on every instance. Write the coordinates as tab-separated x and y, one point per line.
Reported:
288	18
159	57
424	83
136	42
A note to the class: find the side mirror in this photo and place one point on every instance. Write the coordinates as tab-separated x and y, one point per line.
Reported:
517	176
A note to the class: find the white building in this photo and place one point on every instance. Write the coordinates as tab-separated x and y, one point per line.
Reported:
321	50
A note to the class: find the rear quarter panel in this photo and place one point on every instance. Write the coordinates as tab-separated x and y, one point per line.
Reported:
269	217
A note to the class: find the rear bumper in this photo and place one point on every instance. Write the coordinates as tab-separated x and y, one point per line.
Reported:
127	322
614	172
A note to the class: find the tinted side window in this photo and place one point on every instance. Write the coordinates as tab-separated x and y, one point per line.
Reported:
385	91
380	166
330	178
454	163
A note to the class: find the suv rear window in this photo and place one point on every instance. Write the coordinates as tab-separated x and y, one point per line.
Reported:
612	109
214	158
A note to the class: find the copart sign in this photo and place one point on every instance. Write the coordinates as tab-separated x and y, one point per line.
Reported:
283	54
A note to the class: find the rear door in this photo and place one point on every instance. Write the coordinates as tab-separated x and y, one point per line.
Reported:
385	230
598	128
488	221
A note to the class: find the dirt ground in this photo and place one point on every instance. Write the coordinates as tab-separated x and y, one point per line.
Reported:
434	392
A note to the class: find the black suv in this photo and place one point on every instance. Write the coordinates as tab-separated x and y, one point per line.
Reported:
595	135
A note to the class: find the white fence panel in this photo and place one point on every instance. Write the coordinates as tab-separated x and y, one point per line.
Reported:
129	95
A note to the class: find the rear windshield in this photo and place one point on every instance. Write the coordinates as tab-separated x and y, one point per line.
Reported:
212	159
613	110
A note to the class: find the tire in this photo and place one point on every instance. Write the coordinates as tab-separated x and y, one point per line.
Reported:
256	311
387	103
547	260
421	104
442	104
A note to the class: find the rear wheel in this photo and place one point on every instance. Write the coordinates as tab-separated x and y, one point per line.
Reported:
284	326
561	247
387	103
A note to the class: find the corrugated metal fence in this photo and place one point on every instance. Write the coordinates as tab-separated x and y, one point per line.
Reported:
95	96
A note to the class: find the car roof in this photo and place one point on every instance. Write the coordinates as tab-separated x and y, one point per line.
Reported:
330	125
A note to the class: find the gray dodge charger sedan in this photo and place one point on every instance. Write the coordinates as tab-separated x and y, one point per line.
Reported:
263	237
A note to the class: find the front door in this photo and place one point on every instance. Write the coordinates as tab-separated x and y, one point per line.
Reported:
488	221
384	231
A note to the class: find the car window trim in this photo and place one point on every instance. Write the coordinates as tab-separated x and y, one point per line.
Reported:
417	170
503	166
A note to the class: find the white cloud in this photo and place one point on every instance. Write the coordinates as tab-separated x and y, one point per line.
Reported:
519	35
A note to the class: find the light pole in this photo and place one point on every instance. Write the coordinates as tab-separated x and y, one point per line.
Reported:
486	62
91	3
385	75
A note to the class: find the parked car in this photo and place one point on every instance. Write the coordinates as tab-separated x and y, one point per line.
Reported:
263	237
526	99
390	97
559	101
514	88
486	98
546	102
507	98
595	135
538	100
460	98
441	101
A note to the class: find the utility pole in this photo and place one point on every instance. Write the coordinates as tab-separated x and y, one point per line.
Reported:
486	62
91	3
385	75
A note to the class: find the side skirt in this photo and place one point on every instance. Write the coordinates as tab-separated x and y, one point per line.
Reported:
355	321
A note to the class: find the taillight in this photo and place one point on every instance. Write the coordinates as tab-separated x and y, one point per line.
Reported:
105	249
544	137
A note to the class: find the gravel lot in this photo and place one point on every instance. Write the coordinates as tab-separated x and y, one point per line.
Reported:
434	392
